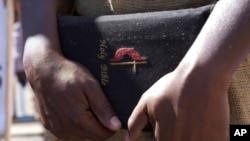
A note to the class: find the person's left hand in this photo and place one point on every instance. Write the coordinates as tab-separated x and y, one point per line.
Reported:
183	108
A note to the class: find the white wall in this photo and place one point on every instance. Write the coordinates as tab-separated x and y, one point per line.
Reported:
3	46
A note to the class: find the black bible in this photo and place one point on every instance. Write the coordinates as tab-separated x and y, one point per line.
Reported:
128	53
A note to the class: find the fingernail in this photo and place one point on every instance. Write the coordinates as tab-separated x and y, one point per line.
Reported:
115	122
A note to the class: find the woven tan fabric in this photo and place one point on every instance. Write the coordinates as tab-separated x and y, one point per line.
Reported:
133	6
93	7
239	94
105	7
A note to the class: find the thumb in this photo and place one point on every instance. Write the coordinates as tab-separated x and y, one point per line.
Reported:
102	108
137	121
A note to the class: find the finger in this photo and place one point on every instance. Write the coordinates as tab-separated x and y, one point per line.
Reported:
50	118
159	134
80	119
163	131
137	121
93	129
101	106
165	119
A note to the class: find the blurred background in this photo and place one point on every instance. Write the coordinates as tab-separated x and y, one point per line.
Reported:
19	120
25	125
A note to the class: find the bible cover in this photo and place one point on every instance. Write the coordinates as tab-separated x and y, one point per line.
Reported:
128	53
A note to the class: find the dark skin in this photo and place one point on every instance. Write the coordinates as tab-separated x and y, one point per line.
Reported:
71	101
179	105
191	103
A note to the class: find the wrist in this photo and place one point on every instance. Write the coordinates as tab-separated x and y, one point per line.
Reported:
211	77
39	51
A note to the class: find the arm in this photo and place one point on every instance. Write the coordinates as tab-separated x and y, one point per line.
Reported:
191	103
70	100
223	41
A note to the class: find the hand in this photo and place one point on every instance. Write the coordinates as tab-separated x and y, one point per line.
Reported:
71	102
183	107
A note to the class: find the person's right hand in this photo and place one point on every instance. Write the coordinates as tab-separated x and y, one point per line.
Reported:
71	101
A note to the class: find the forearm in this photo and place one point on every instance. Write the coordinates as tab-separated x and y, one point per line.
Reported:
41	40
223	42
39	21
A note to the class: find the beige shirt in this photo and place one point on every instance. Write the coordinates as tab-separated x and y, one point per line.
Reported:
105	7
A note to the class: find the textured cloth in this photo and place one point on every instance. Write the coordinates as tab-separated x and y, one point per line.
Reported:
239	94
105	7
133	6
93	7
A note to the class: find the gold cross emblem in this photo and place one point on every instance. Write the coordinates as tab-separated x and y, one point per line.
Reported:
120	53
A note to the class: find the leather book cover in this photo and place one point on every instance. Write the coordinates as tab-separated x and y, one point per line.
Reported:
128	53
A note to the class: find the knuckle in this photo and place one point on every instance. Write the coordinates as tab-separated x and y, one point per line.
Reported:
90	83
